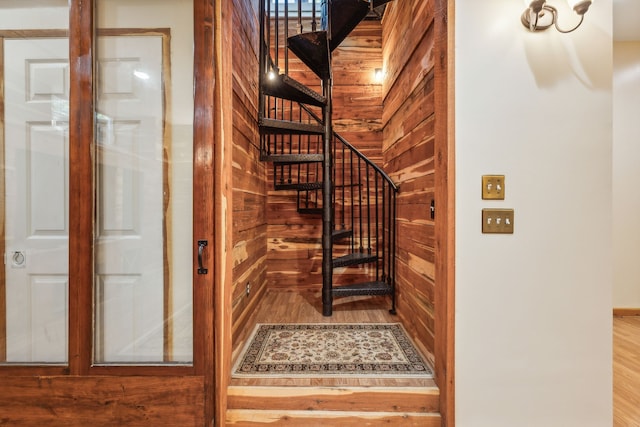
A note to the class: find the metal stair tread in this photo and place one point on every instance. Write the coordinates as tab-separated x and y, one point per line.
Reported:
301	186
364	288
378	3
310	211
274	126
283	86
345	16
313	49
281	159
341	234
355	258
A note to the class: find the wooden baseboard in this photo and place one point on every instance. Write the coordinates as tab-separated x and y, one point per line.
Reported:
626	311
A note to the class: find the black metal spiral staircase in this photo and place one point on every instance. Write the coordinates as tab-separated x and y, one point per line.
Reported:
356	199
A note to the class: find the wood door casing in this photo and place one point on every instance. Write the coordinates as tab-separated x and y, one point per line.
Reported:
3	303
444	321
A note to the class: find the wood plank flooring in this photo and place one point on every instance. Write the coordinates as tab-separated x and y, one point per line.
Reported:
626	371
308	402
306	307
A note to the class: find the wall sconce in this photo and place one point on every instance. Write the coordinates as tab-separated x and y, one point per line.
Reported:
378	75
539	15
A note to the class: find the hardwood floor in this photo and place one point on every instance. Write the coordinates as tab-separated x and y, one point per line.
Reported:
306	307
626	371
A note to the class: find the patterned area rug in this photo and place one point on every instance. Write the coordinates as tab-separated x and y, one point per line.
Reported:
317	350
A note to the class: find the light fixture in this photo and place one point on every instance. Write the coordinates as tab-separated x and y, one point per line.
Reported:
539	16
378	75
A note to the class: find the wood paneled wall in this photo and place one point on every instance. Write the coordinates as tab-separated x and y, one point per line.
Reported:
249	174
294	256
408	150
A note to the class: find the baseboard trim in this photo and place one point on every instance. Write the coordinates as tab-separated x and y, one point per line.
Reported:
626	311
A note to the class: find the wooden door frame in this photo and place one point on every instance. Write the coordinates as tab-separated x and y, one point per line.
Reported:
444	322
81	101
3	277
82	41
213	172
223	210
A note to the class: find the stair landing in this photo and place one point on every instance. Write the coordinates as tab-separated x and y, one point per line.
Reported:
327	401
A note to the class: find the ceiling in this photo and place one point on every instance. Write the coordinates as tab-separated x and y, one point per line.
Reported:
626	20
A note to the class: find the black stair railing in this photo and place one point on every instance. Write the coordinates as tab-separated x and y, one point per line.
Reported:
297	154
365	207
279	21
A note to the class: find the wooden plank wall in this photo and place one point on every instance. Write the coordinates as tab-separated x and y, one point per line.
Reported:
408	150
249	174
294	247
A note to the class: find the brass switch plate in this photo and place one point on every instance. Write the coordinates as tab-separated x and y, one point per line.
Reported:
493	187
497	221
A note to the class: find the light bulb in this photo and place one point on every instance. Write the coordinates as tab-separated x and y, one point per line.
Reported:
535	5
378	75
579	6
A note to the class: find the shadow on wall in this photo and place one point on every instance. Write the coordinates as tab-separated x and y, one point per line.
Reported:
554	57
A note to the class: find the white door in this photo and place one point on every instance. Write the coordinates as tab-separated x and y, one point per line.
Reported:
130	244
36	170
130	248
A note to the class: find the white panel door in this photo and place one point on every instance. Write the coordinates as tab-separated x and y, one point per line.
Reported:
36	169
129	262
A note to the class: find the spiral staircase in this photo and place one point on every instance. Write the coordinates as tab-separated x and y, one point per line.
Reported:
329	177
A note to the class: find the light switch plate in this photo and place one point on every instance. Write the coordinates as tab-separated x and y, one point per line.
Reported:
497	221
493	187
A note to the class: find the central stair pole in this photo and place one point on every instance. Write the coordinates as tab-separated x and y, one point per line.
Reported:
327	199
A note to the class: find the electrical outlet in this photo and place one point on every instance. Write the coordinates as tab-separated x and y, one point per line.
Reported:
493	187
497	221
248	289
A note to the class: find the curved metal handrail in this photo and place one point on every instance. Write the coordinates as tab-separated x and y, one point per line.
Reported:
368	161
355	150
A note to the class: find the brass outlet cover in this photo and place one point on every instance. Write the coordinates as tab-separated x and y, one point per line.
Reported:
493	187
497	221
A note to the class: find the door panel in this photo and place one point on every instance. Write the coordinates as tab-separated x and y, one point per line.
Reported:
48	324
130	244
36	169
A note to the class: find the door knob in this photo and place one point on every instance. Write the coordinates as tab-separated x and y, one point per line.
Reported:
18	259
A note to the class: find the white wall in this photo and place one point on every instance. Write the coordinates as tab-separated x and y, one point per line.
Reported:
533	309
49	14
626	174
